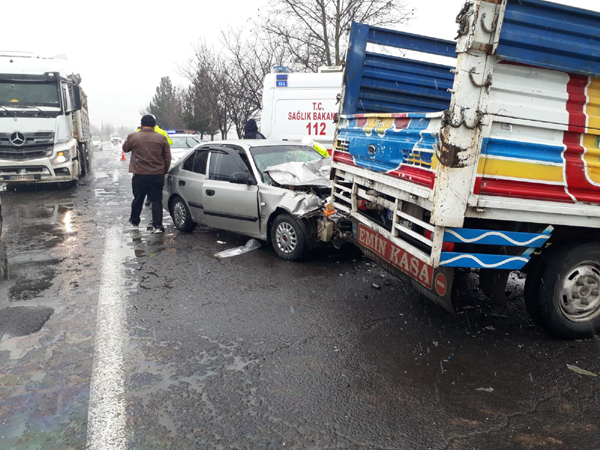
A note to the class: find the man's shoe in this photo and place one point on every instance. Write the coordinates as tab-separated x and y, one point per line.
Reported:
158	230
133	224
147	203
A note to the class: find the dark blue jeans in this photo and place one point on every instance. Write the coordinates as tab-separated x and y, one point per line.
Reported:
151	186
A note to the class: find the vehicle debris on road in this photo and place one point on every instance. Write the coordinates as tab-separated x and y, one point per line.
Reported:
488	389
581	371
252	244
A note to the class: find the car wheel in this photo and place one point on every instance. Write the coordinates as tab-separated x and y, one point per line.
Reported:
181	216
288	238
568	291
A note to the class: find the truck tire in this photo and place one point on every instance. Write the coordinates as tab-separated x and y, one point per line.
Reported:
88	158
567	299
83	164
532	285
288	238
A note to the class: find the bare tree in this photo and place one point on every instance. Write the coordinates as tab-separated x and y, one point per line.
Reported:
313	31
226	86
250	55
206	73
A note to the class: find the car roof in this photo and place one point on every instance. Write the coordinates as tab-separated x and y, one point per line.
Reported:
249	143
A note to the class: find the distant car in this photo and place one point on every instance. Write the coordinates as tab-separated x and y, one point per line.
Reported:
182	144
97	143
231	185
115	140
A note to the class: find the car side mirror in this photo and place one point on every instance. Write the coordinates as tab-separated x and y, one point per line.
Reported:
240	178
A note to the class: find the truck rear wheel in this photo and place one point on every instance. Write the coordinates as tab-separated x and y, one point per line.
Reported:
563	295
84	161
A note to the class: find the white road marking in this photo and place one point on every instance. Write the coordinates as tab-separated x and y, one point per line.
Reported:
106	412
116	176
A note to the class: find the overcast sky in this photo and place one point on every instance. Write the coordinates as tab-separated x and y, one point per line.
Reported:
122	48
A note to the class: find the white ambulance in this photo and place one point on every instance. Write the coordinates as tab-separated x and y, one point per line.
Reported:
300	105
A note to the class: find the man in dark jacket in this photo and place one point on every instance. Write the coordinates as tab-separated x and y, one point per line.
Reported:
150	161
251	130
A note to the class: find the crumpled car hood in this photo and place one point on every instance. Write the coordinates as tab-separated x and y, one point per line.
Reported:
313	173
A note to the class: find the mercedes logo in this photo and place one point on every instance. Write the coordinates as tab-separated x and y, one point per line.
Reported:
17	139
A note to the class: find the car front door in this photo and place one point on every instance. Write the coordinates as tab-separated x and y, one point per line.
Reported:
229	205
192	177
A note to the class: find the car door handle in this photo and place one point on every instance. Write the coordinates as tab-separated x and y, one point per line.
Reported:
210	192
181	183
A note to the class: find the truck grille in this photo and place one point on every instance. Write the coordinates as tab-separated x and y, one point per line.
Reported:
30	170
36	145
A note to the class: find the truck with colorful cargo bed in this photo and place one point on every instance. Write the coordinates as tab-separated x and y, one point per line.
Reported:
491	162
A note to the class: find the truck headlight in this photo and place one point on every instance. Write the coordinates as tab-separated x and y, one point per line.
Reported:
62	157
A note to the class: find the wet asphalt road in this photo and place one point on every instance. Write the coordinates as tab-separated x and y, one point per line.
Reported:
252	352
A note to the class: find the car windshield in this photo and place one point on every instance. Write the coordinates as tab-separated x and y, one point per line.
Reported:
274	155
184	142
17	94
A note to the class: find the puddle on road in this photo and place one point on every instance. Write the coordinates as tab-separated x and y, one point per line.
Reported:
41	218
160	367
145	244
22	320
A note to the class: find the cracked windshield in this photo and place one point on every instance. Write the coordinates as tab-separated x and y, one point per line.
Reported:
300	224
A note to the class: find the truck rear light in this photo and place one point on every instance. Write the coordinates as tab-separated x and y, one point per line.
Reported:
361	204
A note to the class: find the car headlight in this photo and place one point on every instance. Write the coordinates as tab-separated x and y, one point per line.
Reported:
62	157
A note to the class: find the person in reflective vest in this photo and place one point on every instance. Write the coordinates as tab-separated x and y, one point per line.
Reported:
318	148
160	131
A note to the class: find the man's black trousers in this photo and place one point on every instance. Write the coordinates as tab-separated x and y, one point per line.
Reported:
151	186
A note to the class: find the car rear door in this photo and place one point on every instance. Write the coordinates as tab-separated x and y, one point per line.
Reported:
192	176
227	205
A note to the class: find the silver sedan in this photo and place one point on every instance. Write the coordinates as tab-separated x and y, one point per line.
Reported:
273	191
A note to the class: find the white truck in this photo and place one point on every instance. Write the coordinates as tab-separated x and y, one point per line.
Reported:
300	105
44	125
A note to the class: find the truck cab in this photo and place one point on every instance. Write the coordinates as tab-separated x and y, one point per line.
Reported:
44	128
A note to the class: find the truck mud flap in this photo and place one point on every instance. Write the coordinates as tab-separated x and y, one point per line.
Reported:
435	284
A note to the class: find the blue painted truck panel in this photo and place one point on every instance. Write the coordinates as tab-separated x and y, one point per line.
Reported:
551	36
382	83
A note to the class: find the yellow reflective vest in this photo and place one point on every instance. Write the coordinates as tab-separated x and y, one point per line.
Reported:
161	131
320	149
